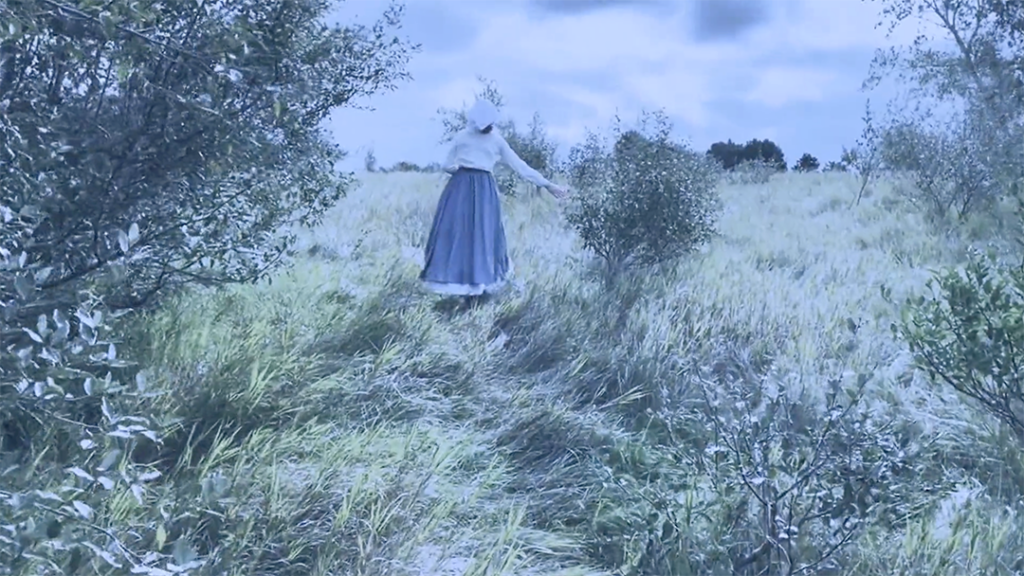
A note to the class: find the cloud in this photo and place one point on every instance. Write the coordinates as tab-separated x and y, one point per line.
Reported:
715	20
719	68
583	6
439	26
784	85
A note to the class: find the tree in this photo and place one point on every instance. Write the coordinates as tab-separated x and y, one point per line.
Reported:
806	163
984	75
730	155
765	151
197	126
370	161
865	156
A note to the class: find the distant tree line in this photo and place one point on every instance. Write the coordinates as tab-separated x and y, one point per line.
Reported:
731	155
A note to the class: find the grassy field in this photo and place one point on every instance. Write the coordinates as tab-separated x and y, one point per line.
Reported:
564	429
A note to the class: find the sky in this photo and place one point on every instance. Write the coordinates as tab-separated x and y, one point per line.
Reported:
788	70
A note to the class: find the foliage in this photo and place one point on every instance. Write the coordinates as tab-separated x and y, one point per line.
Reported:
813	477
864	157
953	169
146	147
731	155
533	146
985	66
967	332
70	425
978	154
370	161
198	123
806	163
645	201
968	335
835	166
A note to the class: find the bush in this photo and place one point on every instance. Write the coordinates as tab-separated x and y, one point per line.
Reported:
968	335
209	144
950	171
646	201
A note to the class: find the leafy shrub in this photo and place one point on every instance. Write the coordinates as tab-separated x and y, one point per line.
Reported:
969	333
805	480
645	201
209	143
69	421
949	169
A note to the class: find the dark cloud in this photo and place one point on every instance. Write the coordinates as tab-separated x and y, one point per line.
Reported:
584	6
726	19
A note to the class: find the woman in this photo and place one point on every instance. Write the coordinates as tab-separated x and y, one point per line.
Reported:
466	254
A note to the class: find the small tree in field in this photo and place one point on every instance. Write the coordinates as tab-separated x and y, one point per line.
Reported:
370	161
806	163
951	168
864	157
645	200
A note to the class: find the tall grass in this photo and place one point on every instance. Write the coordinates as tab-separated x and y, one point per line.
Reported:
347	426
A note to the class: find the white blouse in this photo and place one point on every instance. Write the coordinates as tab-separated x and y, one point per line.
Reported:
474	149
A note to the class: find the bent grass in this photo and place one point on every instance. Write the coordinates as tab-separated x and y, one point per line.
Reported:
353	429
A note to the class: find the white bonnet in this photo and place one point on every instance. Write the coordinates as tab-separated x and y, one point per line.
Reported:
481	115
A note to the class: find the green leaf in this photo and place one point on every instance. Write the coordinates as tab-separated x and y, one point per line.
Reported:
83	509
122	241
24	285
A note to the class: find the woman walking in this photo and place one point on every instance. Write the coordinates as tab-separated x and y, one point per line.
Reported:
466	254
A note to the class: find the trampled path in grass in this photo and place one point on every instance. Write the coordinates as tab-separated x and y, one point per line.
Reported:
553	431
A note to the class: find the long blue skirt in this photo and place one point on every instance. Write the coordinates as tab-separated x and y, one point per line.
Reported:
466	253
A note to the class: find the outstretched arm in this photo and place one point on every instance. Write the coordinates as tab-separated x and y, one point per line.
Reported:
509	157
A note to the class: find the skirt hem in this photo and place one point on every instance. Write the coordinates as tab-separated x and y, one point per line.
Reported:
454	289
463	289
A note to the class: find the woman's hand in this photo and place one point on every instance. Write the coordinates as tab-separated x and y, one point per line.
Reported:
557	191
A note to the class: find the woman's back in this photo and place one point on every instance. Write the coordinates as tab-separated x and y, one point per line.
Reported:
483	150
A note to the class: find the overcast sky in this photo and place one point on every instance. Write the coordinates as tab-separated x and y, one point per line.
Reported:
788	70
